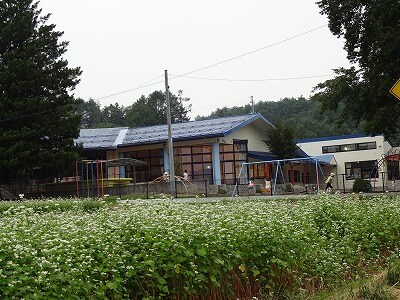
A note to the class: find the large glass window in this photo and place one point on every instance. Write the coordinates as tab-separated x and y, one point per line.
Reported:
232	156
294	175
257	171
153	169
196	160
361	169
349	147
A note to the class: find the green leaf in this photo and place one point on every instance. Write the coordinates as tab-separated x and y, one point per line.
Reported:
201	251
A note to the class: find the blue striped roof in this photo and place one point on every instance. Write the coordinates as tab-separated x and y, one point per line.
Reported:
111	138
100	138
190	130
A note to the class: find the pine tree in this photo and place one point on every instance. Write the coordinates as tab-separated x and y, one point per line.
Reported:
280	140
38	114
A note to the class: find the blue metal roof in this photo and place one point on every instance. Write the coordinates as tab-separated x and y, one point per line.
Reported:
331	138
327	158
111	138
265	156
189	130
100	138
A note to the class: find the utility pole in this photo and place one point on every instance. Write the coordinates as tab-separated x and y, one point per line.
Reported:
252	105
170	145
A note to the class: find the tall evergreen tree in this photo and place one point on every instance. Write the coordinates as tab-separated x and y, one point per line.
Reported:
113	115
280	140
152	110
38	114
91	113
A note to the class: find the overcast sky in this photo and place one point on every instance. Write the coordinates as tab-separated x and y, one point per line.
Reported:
122	45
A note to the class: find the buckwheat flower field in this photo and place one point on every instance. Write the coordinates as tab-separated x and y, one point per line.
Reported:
165	249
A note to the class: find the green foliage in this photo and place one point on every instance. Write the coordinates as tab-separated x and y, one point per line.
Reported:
166	249
280	140
370	30
91	113
113	115
361	185
38	119
152	110
146	111
306	117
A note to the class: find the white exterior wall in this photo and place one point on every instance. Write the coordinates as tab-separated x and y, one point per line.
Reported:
382	147
253	135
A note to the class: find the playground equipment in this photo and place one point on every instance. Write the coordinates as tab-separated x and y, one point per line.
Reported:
6	195
165	178
92	176
275	175
392	156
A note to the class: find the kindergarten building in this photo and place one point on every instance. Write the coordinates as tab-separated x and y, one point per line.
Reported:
215	151
212	150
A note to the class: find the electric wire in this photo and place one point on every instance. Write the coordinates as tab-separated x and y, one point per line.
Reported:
215	64
147	83
256	80
30	115
143	85
251	52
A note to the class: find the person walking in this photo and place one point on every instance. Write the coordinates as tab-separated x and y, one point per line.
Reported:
328	182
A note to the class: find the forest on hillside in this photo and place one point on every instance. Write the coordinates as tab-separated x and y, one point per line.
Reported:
305	116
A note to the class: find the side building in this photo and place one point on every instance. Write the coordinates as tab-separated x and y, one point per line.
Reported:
357	156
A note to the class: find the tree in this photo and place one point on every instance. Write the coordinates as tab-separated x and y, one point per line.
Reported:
372	41
280	140
303	114
113	116
91	113
38	115
152	110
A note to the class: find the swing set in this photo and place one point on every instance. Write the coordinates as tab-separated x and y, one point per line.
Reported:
274	173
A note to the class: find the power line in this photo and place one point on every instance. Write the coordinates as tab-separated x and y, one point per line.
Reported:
257	80
213	65
133	89
251	52
147	83
31	115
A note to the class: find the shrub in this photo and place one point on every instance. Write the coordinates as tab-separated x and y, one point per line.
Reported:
361	185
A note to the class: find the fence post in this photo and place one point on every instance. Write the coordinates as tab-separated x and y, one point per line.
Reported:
383	181
344	184
176	190
205	187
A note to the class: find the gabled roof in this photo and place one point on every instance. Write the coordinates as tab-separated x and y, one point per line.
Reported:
111	138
